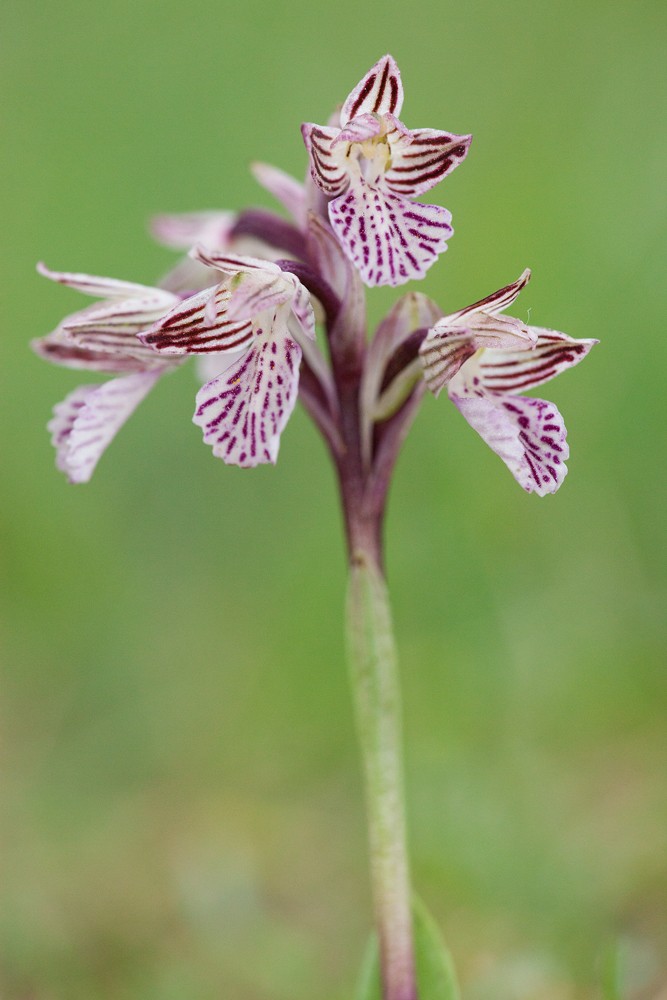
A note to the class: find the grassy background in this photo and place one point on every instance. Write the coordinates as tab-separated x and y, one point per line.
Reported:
182	809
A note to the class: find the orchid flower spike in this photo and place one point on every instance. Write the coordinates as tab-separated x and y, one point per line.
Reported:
372	166
486	360
257	309
102	338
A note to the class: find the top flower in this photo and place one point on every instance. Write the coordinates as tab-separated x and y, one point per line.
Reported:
371	166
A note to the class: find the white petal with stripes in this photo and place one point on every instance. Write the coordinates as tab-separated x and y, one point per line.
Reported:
389	239
87	420
244	411
379	92
190	329
527	434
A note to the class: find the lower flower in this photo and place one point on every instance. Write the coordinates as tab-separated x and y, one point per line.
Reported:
487	360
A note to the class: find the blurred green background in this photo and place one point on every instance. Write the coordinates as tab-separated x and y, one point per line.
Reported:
182	812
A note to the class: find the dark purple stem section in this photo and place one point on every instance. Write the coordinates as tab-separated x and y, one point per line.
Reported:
272	229
315	284
364	487
403	356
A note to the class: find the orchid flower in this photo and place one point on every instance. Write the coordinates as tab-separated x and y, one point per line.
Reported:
262	311
486	360
243	303
371	167
102	338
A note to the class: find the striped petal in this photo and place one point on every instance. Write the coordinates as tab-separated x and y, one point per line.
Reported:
379	92
127	315
244	411
497	301
449	345
58	351
289	192
106	288
527	434
389	239
261	285
114	326
327	162
231	263
187	330
85	423
422	159
443	356
516	371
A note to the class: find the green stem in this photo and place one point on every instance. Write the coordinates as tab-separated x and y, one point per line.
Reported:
375	688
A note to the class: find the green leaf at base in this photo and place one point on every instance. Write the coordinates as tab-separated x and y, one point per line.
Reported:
436	978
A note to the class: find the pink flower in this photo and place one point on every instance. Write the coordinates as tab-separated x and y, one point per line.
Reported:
487	360
102	338
372	167
259	310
